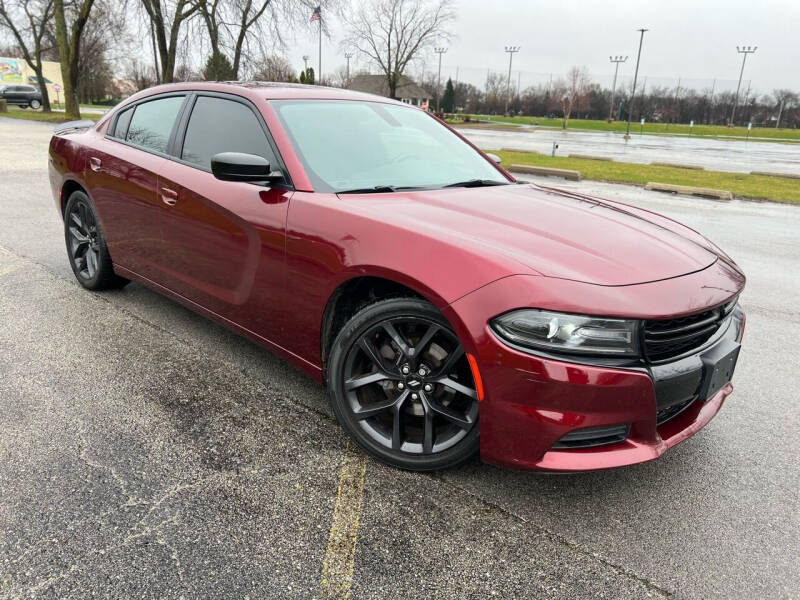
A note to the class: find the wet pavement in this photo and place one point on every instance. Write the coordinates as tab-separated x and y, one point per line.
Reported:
713	154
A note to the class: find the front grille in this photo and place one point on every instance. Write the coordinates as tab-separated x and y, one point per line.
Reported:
668	338
593	436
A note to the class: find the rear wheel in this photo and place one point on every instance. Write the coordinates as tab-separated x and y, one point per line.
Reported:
86	246
35	104
401	385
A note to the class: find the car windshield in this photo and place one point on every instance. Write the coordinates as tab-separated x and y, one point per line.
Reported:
364	146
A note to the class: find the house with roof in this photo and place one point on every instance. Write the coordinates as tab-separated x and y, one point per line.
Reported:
407	89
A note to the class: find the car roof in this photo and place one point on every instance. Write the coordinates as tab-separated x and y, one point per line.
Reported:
269	90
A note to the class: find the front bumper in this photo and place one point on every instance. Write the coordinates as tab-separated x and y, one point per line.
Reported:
532	402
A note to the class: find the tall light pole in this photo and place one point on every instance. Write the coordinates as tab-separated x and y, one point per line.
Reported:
635	77
511	50
439	51
617	60
348	56
305	62
744	51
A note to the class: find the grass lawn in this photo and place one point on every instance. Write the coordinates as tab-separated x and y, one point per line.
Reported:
743	185
16	112
715	131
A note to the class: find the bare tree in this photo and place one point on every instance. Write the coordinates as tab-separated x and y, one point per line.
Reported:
166	19
233	19
783	99
274	68
68	38
30	37
392	33
571	93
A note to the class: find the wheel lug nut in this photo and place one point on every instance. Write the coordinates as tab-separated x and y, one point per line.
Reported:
401	385
423	372
414	396
405	370
428	387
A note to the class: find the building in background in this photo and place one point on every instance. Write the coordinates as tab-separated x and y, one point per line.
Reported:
407	90
17	71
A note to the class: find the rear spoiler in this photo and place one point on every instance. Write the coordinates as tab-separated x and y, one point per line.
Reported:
73	125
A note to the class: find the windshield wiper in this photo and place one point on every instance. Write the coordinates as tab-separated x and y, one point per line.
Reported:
377	189
475	183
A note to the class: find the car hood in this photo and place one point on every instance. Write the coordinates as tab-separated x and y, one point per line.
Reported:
552	233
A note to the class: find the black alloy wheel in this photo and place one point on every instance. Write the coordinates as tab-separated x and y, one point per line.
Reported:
402	386
86	246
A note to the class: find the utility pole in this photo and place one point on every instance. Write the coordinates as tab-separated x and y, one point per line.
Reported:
635	77
511	50
348	56
617	60
439	51
780	113
744	51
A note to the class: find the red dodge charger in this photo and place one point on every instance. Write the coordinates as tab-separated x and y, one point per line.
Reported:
447	307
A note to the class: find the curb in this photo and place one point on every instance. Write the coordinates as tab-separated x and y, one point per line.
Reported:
677	166
591	157
772	174
689	190
547	172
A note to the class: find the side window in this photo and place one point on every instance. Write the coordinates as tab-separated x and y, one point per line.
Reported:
121	127
218	125
152	123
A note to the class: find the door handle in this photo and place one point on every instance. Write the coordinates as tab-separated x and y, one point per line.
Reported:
95	163
169	197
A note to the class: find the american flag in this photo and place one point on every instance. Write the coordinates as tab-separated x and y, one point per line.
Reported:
317	14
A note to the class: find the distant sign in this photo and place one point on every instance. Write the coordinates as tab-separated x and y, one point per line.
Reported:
691	123
642	121
749	126
57	87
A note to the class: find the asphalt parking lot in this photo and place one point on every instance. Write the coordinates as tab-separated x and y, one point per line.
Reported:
146	452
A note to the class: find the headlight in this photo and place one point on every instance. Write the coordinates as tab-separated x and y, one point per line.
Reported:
564	333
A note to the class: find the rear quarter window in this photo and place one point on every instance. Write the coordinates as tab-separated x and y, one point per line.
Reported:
120	126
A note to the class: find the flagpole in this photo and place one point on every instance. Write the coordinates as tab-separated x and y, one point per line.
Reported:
319	67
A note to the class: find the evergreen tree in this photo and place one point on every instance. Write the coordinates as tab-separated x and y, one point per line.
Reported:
449	98
218	68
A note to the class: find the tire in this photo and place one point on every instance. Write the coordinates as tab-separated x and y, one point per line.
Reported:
424	419
35	104
23	106
86	247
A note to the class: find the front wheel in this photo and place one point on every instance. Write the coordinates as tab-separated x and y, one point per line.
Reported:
86	245
401	385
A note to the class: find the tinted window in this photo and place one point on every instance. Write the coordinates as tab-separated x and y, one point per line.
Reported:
123	120
152	123
219	125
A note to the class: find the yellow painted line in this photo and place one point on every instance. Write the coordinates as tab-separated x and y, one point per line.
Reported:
337	567
9	269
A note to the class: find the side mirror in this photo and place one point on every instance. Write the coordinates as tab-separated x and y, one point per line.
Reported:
237	166
494	158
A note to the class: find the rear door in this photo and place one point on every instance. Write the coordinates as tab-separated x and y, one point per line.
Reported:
122	175
223	242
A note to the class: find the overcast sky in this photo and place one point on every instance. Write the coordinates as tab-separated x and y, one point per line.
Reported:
692	40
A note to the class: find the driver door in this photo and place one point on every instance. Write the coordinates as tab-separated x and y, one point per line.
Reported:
222	241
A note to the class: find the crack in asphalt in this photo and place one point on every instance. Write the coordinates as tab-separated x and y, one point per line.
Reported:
559	539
